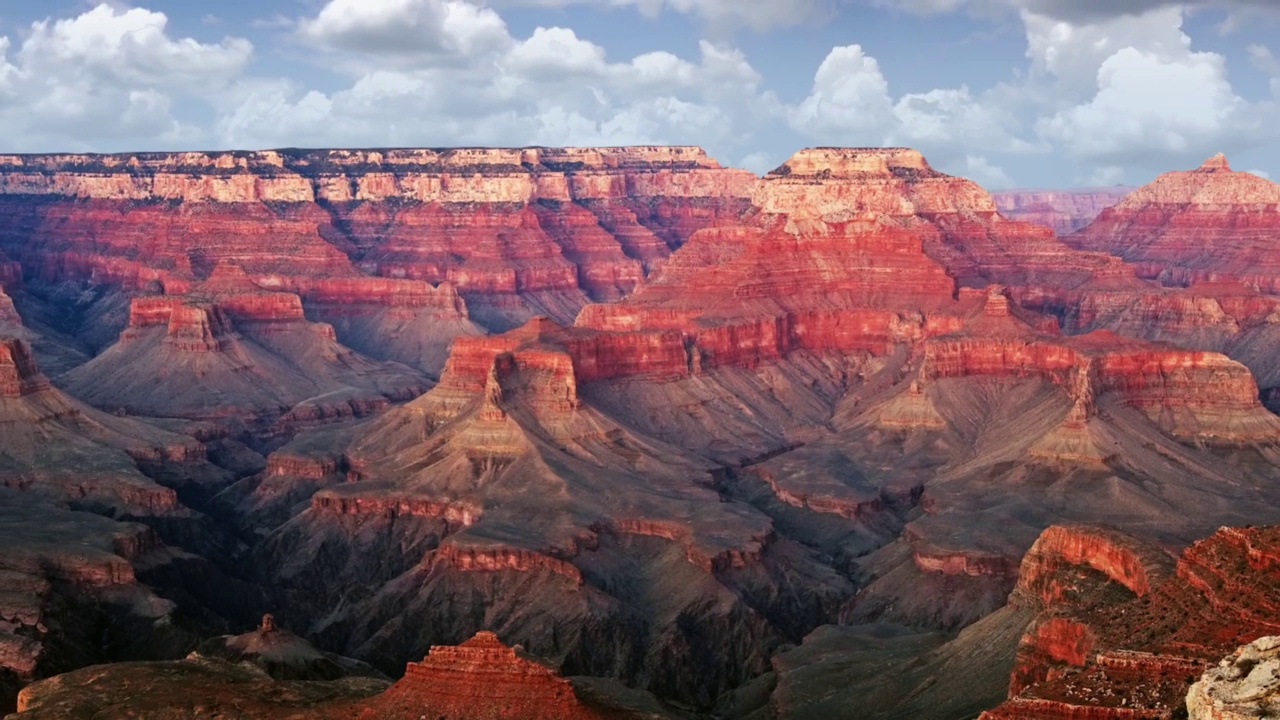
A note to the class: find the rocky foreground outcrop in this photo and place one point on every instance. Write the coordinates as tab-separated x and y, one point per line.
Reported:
1244	685
481	679
70	595
1129	643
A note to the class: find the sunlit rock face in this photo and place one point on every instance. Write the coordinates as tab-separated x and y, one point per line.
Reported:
1209	224
514	232
1125	633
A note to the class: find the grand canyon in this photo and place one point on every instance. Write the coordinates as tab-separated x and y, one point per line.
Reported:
624	433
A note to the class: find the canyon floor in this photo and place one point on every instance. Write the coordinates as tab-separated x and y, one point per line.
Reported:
619	432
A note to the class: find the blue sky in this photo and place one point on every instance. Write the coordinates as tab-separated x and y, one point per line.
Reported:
1030	93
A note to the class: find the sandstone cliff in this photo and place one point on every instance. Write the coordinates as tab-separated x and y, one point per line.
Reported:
514	231
1111	648
1207	224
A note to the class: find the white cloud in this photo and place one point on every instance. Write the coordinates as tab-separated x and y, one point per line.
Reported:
558	54
1106	175
1260	173
720	15
1080	11
1153	97
406	32
989	176
1065	56
1105	87
107	78
473	83
1266	63
759	162
850	104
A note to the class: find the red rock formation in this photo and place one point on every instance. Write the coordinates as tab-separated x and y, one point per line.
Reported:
18	373
58	447
480	679
847	250
1063	211
1119	557
1159	381
253	349
1133	654
1209	224
54	562
512	230
10	273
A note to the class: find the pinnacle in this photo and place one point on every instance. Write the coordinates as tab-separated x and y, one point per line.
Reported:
1217	162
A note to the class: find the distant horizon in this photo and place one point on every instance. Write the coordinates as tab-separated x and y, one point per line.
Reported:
449	148
1010	93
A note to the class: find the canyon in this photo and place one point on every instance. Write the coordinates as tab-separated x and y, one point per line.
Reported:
621	432
1063	211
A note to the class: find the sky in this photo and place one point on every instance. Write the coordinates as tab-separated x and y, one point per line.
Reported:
1009	93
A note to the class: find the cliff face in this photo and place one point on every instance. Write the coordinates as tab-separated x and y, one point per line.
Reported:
514	231
1063	211
251	348
61	568
1209	224
1138	649
57	447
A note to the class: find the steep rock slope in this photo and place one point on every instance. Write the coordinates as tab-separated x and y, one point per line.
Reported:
70	595
56	446
1124	638
507	481
515	232
229	350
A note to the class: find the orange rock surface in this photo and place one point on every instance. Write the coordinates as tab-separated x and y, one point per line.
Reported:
1128	643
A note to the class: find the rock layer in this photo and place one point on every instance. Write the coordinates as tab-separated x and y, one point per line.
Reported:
481	678
1063	211
1209	224
1244	685
514	231
1105	651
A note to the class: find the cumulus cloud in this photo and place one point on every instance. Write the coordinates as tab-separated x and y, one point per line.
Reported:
1148	105
1101	91
1081	11
107	77
1149	97
1266	63
470	81
850	103
757	15
418	30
